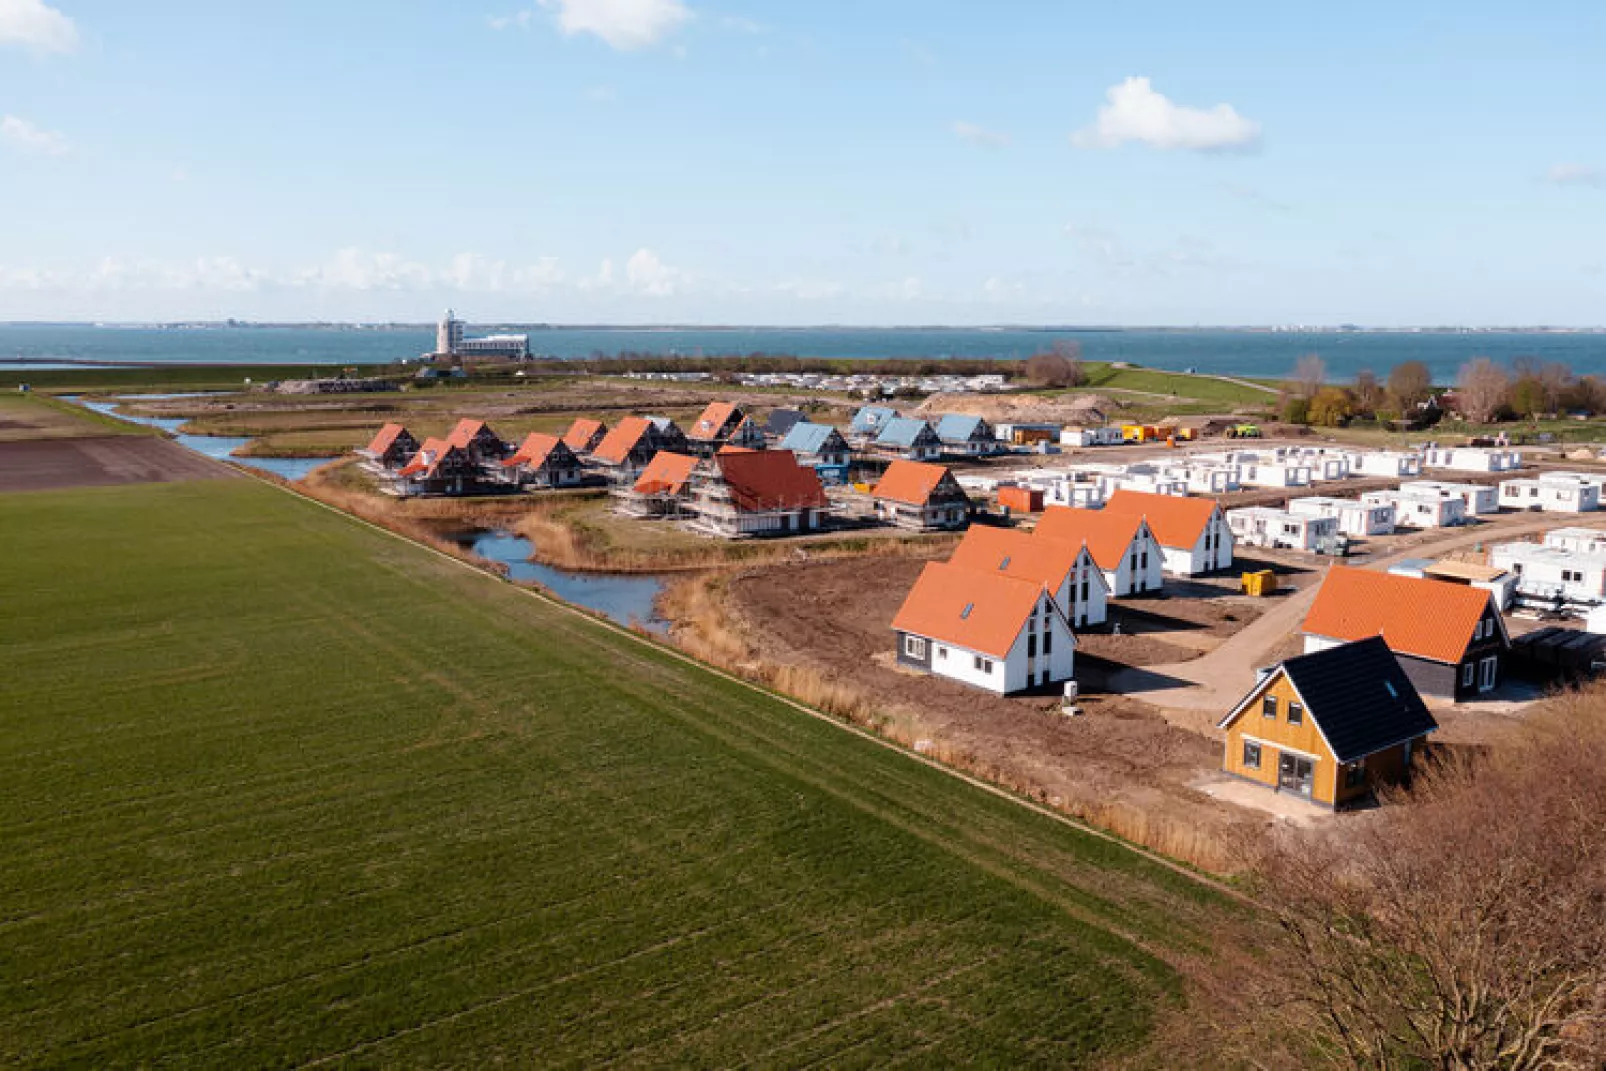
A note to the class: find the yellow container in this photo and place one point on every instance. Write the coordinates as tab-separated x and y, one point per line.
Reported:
862	488
1261	583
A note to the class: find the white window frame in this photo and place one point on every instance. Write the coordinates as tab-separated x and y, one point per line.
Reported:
1467	671
914	646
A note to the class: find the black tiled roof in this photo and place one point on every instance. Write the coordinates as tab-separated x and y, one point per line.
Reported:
1360	697
781	421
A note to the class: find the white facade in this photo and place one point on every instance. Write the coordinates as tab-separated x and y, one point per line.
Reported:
1550	495
1090	436
1085	595
1206	478
450	340
1141	568
1552	573
1211	551
1577	540
1471	459
1259	526
1257	471
1354	518
1023	667
1479	498
1385	463
1420	511
1080	494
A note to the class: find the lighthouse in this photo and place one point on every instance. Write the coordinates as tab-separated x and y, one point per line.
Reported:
449	335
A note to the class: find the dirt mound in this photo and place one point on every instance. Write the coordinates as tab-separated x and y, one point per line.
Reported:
1014	408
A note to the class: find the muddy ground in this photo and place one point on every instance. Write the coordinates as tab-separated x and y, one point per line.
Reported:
96	462
833	617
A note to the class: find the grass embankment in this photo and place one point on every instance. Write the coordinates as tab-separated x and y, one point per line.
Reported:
34	416
1181	385
276	788
703	624
170	377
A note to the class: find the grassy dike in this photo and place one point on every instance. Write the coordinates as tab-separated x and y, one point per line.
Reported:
277	788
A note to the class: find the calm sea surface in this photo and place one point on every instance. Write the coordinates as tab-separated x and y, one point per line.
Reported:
1246	353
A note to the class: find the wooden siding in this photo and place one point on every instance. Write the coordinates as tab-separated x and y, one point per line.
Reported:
1277	735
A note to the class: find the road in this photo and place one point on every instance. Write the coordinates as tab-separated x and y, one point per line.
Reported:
1214	682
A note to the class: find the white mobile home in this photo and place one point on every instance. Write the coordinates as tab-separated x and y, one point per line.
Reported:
1577	540
1354	518
1257	470
1550	495
1418	510
1090	436
1259	526
1385	463
1074	491
1553	574
1471	459
1479	498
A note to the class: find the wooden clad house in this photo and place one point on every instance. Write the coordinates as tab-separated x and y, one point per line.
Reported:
1449	638
440	467
1067	570
715	428
913	494
741	492
1123	545
1192	532
542	461
992	631
483	446
584	435
632	442
392	448
1329	726
664	487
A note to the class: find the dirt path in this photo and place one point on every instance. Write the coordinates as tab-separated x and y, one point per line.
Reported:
1212	683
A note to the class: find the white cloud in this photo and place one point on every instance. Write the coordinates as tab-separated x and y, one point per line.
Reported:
37	25
648	274
518	20
624	24
25	137
979	135
1135	112
1577	175
810	289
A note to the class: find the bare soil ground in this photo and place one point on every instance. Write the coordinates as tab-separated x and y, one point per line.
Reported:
90	462
834	617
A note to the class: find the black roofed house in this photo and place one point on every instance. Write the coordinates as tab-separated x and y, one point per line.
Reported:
1328	726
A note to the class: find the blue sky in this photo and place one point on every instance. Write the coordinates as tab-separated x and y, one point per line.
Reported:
875	162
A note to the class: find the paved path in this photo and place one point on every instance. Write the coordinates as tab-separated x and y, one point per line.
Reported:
1213	682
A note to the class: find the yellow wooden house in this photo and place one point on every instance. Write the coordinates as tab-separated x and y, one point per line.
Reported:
1329	726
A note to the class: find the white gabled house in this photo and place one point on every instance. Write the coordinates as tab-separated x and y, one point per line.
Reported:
1067	570
1123	546
1193	533
990	631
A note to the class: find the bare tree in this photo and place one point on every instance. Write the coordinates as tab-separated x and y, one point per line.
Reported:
1466	927
1368	392
1409	383
1310	372
1483	389
1554	379
1058	367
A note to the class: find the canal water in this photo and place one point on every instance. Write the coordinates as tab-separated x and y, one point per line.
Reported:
626	599
221	447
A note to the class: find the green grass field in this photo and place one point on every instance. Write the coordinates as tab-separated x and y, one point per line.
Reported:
279	789
1219	392
26	417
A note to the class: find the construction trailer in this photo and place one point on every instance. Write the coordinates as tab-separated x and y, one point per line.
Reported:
1552	578
1551	493
1390	463
1479	498
1470	458
1355	518
1420	510
1497	582
1106	436
1578	540
1261	526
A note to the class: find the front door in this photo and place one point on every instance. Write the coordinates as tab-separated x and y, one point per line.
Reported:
1295	774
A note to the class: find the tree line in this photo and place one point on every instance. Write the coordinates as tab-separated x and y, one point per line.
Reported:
1485	392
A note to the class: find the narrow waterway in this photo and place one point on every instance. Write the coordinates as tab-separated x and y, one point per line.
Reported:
221	447
629	600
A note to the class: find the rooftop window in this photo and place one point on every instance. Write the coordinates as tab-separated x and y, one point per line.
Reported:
965	613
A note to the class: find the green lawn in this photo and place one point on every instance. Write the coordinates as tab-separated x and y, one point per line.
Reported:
1202	388
27	417
275	788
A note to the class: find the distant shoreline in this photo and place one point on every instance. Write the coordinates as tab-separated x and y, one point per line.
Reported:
359	325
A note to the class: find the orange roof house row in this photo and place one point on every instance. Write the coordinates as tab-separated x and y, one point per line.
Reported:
392	447
721	423
920	495
1123	545
476	437
989	630
439	467
1192	532
634	440
1067	570
1449	638
543	461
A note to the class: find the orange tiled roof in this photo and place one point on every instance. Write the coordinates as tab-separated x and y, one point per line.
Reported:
579	435
386	438
713	419
533	450
909	482
1017	554
667	473
431	454
617	444
1430	619
979	611
770	479
1107	535
1175	521
465	430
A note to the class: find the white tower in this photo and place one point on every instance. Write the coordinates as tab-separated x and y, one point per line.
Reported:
449	335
